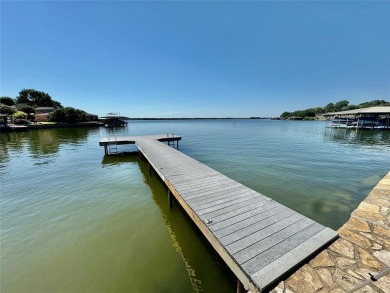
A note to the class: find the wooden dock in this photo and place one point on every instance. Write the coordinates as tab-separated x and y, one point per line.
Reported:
111	143
259	239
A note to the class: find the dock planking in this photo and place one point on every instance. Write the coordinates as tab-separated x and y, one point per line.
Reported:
258	238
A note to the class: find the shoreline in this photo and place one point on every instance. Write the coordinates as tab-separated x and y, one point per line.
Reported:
362	251
18	128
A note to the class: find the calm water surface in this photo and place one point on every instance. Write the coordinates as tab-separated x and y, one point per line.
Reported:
73	220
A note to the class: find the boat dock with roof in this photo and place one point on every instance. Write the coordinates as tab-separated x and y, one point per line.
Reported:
364	118
114	120
259	239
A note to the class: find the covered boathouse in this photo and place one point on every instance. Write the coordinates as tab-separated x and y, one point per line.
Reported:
364	118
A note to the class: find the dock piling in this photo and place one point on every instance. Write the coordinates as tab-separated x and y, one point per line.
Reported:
240	287
169	198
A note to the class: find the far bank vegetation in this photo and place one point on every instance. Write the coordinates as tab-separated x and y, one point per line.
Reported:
316	113
23	108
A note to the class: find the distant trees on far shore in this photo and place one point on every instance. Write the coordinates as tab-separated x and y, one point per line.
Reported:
68	115
339	106
7	101
36	99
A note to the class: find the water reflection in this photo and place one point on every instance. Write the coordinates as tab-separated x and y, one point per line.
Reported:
203	265
117	130
362	137
42	142
120	159
205	270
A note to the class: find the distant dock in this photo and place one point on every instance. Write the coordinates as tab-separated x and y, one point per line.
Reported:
259	239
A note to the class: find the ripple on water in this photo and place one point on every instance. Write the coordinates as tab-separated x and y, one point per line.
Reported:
74	219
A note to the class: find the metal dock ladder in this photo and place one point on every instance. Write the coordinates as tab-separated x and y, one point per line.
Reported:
112	146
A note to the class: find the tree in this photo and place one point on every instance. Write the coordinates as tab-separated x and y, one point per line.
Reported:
68	115
56	104
350	107
340	105
329	108
285	115
7	101
7	110
20	114
374	103
308	113
36	98
319	110
25	108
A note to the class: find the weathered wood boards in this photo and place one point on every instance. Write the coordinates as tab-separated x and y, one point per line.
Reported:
258	238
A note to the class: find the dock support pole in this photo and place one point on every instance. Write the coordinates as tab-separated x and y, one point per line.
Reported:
105	150
177	144
169	198
240	287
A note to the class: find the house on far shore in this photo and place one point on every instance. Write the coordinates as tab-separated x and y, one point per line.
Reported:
42	114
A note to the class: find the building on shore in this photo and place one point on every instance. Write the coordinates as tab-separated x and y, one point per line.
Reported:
364	118
43	114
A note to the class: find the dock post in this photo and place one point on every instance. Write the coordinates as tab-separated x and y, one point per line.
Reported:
169	198
105	149
177	144
240	287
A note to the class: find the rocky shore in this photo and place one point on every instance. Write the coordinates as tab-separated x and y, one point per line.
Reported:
362	250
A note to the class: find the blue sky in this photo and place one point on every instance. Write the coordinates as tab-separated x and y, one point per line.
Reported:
196	59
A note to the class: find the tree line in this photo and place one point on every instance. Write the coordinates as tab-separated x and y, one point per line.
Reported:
331	107
23	106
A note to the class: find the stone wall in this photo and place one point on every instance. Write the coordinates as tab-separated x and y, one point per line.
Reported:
363	248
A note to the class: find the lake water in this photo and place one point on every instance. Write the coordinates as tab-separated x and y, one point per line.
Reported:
73	220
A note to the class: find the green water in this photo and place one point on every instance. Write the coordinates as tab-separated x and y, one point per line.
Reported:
73	220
